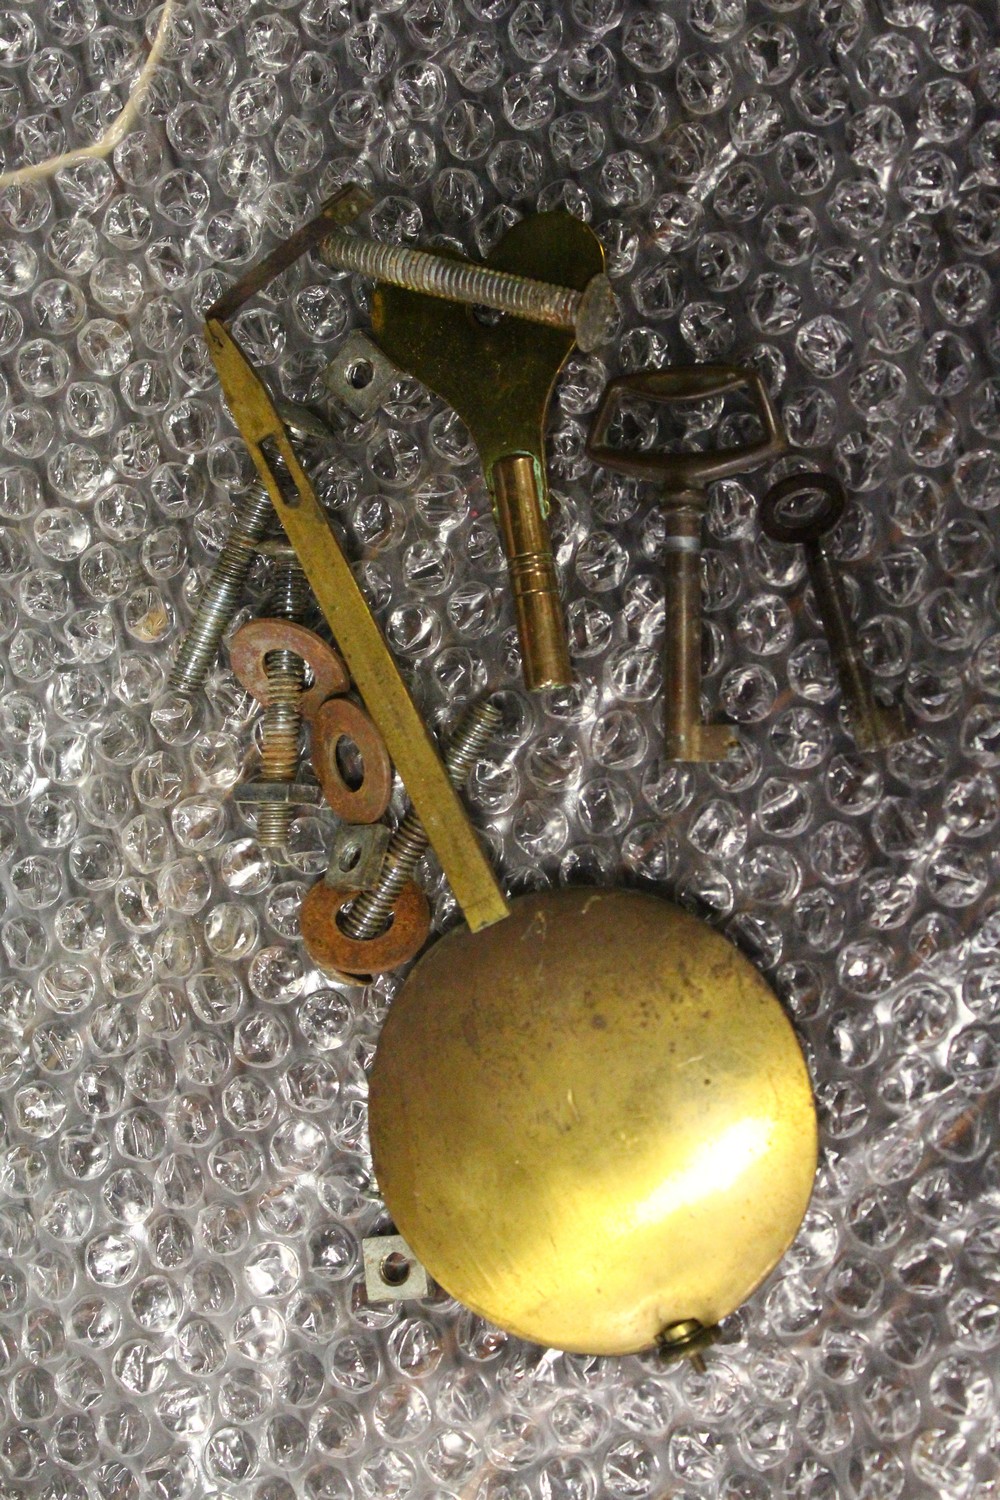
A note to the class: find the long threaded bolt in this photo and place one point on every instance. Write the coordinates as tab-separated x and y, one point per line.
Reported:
221	596
589	315
286	681
369	914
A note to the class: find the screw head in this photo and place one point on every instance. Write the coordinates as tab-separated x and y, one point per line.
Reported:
597	314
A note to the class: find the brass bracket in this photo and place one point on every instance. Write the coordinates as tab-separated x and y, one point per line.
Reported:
344	606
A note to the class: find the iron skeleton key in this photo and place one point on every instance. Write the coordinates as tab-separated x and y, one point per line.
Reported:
683	477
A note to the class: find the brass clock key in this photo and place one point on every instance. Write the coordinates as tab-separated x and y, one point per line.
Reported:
499	379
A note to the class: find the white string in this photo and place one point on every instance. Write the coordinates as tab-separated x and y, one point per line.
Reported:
116	131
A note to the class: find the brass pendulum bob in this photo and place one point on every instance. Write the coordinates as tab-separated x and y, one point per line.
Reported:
592	1122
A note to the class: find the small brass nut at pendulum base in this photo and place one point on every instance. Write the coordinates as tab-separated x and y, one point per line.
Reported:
686	1339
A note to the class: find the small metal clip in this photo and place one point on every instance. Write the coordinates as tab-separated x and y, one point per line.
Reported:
392	1271
360	375
358	856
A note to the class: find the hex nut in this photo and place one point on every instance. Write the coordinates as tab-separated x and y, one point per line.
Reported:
261	793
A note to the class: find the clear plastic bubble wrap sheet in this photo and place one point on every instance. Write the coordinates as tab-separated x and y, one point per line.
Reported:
811	188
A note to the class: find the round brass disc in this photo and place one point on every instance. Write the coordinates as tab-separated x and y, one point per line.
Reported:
592	1120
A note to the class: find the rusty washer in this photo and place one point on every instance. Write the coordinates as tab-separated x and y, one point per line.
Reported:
334	951
340	719
258	638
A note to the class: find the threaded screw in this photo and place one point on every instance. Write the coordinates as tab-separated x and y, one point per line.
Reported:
589	315
286	681
222	593
369	914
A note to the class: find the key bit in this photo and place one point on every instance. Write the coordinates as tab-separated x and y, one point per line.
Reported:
683	476
499	379
802	510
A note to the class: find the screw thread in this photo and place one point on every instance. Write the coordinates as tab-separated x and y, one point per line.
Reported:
291	596
279	760
369	914
453	280
286	675
221	596
282	721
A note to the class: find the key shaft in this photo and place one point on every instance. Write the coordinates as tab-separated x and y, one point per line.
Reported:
686	736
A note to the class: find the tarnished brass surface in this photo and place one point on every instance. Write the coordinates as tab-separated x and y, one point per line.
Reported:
500	379
683	476
592	1122
346	611
534	585
679	383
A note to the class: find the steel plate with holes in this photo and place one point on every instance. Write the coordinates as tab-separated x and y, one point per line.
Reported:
360	375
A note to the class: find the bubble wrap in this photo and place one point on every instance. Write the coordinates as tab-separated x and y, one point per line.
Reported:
813	188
